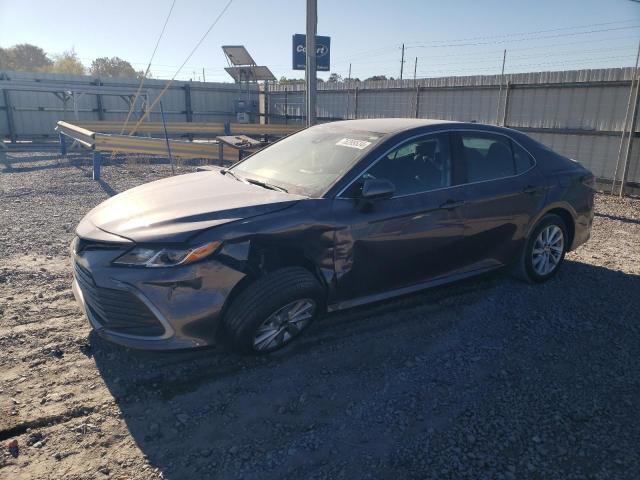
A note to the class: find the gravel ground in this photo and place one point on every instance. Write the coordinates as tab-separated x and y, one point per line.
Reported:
485	379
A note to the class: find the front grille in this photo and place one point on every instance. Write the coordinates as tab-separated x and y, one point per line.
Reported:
83	245
117	310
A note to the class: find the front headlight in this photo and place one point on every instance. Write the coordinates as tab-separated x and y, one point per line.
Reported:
165	257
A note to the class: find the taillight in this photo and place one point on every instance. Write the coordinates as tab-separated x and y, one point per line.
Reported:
589	180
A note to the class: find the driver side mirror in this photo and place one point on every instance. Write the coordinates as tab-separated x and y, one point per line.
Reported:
374	189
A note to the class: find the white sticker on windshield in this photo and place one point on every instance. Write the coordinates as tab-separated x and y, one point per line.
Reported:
353	143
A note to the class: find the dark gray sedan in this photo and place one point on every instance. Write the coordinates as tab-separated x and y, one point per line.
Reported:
337	215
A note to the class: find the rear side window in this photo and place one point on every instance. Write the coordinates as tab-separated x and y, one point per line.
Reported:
523	160
489	157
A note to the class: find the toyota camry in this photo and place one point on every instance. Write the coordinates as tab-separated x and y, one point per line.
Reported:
337	215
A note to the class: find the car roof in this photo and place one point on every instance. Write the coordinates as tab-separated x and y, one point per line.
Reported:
389	125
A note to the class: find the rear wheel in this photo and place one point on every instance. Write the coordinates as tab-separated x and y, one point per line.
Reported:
544	250
274	310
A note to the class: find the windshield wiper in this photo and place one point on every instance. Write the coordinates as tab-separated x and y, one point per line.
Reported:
266	185
227	171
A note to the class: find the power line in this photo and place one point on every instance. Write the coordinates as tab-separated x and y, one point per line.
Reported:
497	52
535	32
163	91
559	35
527	65
396	47
155	49
479	57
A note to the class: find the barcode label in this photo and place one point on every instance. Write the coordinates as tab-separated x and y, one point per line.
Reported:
353	143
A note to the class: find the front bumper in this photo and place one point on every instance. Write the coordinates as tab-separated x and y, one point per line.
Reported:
180	307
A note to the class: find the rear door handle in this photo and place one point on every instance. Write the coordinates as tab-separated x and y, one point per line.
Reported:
451	204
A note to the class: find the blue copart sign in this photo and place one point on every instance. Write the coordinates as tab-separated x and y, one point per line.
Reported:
323	52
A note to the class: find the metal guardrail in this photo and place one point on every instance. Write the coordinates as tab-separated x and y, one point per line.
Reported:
103	142
81	135
87	136
213	129
158	146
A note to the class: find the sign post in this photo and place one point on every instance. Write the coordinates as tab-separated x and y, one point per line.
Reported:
310	73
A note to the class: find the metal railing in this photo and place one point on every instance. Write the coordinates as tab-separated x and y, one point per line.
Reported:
91	135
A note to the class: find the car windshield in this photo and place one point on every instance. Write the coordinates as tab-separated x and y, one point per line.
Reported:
310	161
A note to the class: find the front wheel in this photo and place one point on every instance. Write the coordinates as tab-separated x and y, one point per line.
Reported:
274	310
544	250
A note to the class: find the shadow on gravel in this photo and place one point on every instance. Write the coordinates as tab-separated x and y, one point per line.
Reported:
107	188
212	414
619	218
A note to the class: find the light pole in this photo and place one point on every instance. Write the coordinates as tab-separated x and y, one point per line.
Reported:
310	74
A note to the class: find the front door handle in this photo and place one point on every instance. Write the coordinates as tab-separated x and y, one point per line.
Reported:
451	204
530	189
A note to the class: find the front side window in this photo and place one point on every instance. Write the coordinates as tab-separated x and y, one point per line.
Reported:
414	167
310	161
489	157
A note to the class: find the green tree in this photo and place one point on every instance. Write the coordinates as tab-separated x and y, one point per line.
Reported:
334	78
24	57
112	67
67	62
289	81
379	77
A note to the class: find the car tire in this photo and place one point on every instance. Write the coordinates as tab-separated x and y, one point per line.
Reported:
269	305
531	267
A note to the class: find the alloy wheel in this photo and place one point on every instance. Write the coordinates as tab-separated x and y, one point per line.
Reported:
284	324
547	250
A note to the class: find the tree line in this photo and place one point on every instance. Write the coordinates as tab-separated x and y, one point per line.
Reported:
333	78
31	58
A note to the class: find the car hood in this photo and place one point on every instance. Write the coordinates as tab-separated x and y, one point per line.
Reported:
173	209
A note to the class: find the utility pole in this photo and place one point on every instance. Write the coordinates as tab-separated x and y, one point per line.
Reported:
415	70
402	62
625	123
504	57
312	25
632	129
204	79
349	72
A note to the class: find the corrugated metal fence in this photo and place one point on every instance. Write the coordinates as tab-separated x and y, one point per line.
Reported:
577	113
34	102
